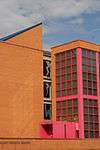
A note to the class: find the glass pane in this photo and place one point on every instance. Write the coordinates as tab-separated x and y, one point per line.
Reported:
64	93
74	68
75	110
84	67
75	102
63	103
84	90
85	118
85	102
83	52
58	104
84	83
69	110
69	102
95	111
74	76
84	61
86	126
84	75
91	134
86	134
89	76
85	110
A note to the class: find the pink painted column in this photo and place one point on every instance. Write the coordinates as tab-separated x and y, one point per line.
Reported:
98	87
80	92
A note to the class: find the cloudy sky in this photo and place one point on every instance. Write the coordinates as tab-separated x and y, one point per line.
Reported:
63	20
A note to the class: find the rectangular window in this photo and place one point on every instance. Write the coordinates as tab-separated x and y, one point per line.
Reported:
89	72
47	111
91	127
67	110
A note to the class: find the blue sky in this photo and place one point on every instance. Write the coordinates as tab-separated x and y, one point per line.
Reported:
63	20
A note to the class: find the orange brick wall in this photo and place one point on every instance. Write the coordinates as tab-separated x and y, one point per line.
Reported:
21	91
30	38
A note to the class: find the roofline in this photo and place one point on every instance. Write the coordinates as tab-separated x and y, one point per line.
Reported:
19	32
75	41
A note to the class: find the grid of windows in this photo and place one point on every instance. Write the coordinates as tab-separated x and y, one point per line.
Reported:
67	110
66	73
89	72
91	127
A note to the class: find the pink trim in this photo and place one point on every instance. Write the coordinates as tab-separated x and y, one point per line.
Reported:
80	92
98	87
66	97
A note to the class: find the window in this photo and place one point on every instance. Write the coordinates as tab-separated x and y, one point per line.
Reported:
47	87
67	110
46	68
66	73
89	72
47	111
91	127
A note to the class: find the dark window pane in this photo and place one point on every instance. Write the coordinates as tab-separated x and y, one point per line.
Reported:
89	84
74	61
74	68
83	52
85	102
94	84
91	134
86	134
85	91
84	67
94	77
89	54
94	92
58	104
85	118
93	62
69	102
69	110
64	85
95	102
95	111
89	91
84	75
47	111
75	102
89	76
47	87
86	126
75	110
84	83
68	54
75	91
84	61
85	110
68	61
88	61
58	93
94	69
63	103
89	68
64	93
74	76
93	55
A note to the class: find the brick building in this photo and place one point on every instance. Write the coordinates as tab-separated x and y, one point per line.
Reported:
40	101
76	89
21	83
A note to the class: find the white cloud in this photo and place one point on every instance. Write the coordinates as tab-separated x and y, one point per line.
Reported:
17	14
